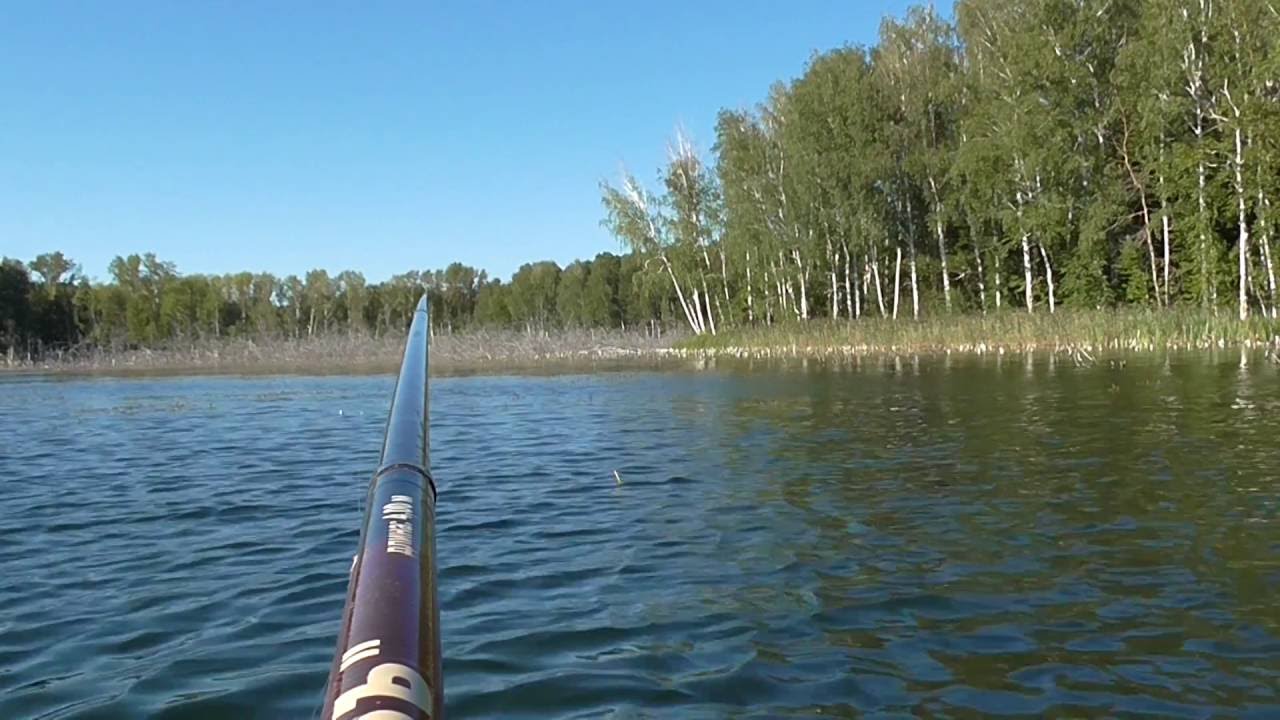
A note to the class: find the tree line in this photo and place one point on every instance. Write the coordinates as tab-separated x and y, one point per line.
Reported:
1028	154
49	305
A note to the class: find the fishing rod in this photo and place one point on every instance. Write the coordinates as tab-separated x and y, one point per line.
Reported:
387	665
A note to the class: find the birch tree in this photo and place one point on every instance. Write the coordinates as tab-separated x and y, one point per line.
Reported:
919	59
634	216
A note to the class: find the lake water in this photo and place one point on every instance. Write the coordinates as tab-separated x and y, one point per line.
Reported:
934	538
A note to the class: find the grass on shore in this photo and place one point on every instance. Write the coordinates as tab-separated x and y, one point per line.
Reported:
1080	332
479	350
1075	331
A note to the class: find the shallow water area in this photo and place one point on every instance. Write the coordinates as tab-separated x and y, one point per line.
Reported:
936	537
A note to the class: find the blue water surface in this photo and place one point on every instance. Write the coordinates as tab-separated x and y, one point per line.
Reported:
1019	537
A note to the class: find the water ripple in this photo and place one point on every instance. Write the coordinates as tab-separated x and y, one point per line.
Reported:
968	539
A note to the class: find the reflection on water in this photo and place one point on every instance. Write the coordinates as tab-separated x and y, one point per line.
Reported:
939	537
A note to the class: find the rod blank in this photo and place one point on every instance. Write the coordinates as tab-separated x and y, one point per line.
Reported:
387	665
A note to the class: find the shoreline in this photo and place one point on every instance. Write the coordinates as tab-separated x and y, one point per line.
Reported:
549	366
483	352
1083	336
673	359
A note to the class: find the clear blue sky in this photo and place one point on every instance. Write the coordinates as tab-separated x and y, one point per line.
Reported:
379	136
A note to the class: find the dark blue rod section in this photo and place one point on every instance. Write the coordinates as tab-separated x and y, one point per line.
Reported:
388	660
407	440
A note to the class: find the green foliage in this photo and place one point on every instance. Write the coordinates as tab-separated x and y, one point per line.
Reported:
571	294
15	305
493	306
148	303
602	303
1038	154
533	294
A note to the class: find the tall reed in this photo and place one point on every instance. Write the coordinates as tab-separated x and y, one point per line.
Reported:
1089	331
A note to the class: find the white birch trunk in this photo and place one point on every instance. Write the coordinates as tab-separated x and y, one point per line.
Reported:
768	296
1243	221
915	285
694	320
849	300
1264	245
1212	287
911	245
706	300
982	278
1193	65
1164	221
724	279
835	291
1026	270
942	244
1027	287
1265	249
946	275
784	285
1147	233
875	277
897	283
1048	272
1165	228
999	284
864	278
804	281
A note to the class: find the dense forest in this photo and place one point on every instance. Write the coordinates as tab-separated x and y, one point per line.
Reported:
1029	155
48	305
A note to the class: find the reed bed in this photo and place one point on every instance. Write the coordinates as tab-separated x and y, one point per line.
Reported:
458	352
1080	333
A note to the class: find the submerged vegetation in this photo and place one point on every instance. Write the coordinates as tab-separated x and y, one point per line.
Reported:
1085	174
